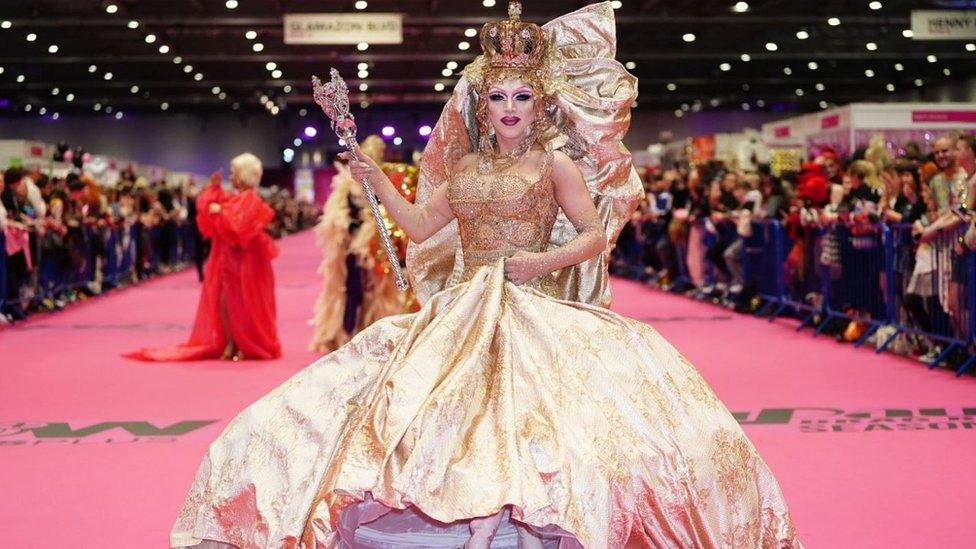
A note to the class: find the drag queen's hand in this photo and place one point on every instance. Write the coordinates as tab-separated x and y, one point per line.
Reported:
361	165
522	267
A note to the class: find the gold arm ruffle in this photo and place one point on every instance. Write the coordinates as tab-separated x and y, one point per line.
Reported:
593	96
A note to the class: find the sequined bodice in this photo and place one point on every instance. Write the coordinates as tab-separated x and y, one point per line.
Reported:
500	214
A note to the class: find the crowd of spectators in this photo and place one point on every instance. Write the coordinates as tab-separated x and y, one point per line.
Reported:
689	233
68	238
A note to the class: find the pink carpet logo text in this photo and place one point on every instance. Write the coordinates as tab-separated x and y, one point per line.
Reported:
862	420
27	433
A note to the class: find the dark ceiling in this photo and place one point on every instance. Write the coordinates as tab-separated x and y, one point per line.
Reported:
828	66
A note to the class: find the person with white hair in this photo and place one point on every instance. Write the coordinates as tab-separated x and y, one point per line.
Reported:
236	315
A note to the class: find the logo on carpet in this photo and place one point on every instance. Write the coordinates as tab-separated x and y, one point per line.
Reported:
25	433
862	420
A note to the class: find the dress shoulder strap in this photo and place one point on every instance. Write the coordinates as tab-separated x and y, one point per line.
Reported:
545	170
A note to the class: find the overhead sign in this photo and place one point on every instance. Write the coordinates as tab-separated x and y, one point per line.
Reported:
943	24
343	28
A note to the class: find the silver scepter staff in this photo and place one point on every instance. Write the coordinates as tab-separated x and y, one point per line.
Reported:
333	97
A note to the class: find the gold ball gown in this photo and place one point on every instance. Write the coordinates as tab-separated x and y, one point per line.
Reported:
586	427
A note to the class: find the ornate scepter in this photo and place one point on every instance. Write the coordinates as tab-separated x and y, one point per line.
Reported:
333	97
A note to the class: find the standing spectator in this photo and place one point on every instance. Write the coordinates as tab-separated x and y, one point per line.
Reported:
949	184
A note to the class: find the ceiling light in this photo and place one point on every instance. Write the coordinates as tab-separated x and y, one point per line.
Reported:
271	65
890	87
164	106
745	87
53	48
787	71
672	86
231	4
363	74
745	57
799	92
150	38
31	37
111	8
771	46
471	33
177	60
92	68
276	74
970	47
869	73
363	87
760	103
362	46
188	69
55	91
725	67
250	35
236	106
439	87
6	25
447	72
820	86
215	90
287	89
932	59
684	106
97	107
740	7
802	35
222	95
118	115
899	67
257	47
875	5
918	82
812	65
164	49
823	105
361	4
198	76
947	72
452	65
746	106
21	78
630	65
616	4
688	37
871	46
362	66
275	110
69	97
488	3
833	21
108	76
133	24
463	46
907	33
679	113
134	89
43	111
28	107
297	142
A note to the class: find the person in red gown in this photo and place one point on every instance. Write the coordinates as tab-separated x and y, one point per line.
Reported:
236	315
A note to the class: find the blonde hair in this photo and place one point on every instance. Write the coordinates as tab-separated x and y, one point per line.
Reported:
248	169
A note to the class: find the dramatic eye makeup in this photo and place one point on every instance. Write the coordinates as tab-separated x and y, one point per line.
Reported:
520	95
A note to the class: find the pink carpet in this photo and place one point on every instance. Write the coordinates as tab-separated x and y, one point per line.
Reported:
872	452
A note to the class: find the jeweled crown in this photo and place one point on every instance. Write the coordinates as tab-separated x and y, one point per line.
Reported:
513	43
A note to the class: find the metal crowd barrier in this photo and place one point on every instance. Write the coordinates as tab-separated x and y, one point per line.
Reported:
862	273
104	256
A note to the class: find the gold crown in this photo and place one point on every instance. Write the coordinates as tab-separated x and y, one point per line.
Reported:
512	43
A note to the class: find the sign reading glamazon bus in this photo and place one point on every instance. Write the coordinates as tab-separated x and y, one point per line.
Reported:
344	28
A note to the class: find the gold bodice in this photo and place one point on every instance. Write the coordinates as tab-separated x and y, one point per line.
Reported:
502	213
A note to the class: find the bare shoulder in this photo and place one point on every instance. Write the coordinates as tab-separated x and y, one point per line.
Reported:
563	166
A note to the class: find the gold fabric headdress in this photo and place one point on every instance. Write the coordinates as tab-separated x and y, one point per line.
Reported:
587	96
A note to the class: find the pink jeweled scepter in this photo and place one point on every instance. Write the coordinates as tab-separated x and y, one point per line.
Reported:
333	97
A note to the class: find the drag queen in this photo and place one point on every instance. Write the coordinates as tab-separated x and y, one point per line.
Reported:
513	405
236	314
355	293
